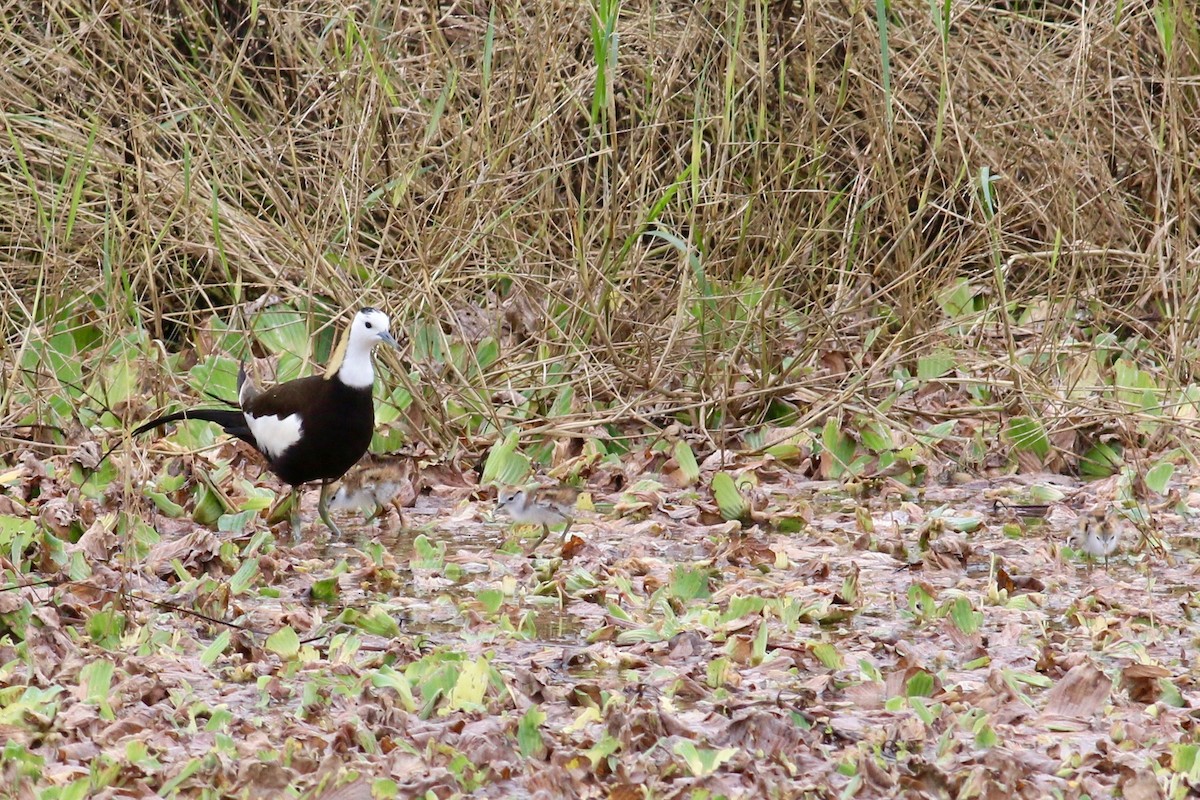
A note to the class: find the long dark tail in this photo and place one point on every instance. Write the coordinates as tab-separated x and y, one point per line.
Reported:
232	420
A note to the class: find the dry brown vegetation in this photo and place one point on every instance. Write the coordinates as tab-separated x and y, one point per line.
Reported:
419	157
731	225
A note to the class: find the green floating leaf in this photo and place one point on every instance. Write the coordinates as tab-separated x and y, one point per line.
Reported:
378	621
1101	460
214	650
96	678
689	583
386	677
11	527
839	447
875	435
18	705
702	761
1134	386
215	375
1185	760
1041	493
934	434
686	460
471	687
429	555
563	402
964	617
729	500
1158	476
827	654
985	736
529	735
919	685
1026	433
963	524
244	577
325	590
960	299
164	504
284	643
283	330
491	599
935	365
505	464
120	380
106	627
1170	694
211	504
740	606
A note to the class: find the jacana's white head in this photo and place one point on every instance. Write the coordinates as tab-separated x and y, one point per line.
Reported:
370	326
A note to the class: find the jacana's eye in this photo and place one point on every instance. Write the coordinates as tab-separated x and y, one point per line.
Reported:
369	326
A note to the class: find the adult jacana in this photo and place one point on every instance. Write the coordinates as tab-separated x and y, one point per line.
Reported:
311	429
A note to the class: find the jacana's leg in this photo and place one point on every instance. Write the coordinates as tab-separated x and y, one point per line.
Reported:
566	530
540	539
323	509
294	520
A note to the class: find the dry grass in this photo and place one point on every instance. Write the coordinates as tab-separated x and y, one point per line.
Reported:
690	230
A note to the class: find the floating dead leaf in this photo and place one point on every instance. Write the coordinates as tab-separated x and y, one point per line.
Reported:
1141	785
58	514
766	731
740	649
1077	696
749	550
197	547
626	791
1141	681
86	454
949	552
1004	581
355	790
573	546
14	598
690	690
485	741
876	774
11	507
687	644
813	569
866	695
99	540
1029	462
265	778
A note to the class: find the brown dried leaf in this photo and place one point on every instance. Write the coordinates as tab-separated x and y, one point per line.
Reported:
1141	785
99	540
198	547
58	514
86	454
1141	681
355	790
1079	694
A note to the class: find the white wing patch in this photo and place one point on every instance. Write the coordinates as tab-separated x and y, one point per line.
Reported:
275	435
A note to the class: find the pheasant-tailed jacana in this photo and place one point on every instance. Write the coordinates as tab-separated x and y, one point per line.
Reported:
372	486
310	429
540	505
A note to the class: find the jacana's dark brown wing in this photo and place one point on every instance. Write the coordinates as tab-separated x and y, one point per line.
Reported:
301	396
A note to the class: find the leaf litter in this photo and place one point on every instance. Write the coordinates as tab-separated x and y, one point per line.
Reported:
892	642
